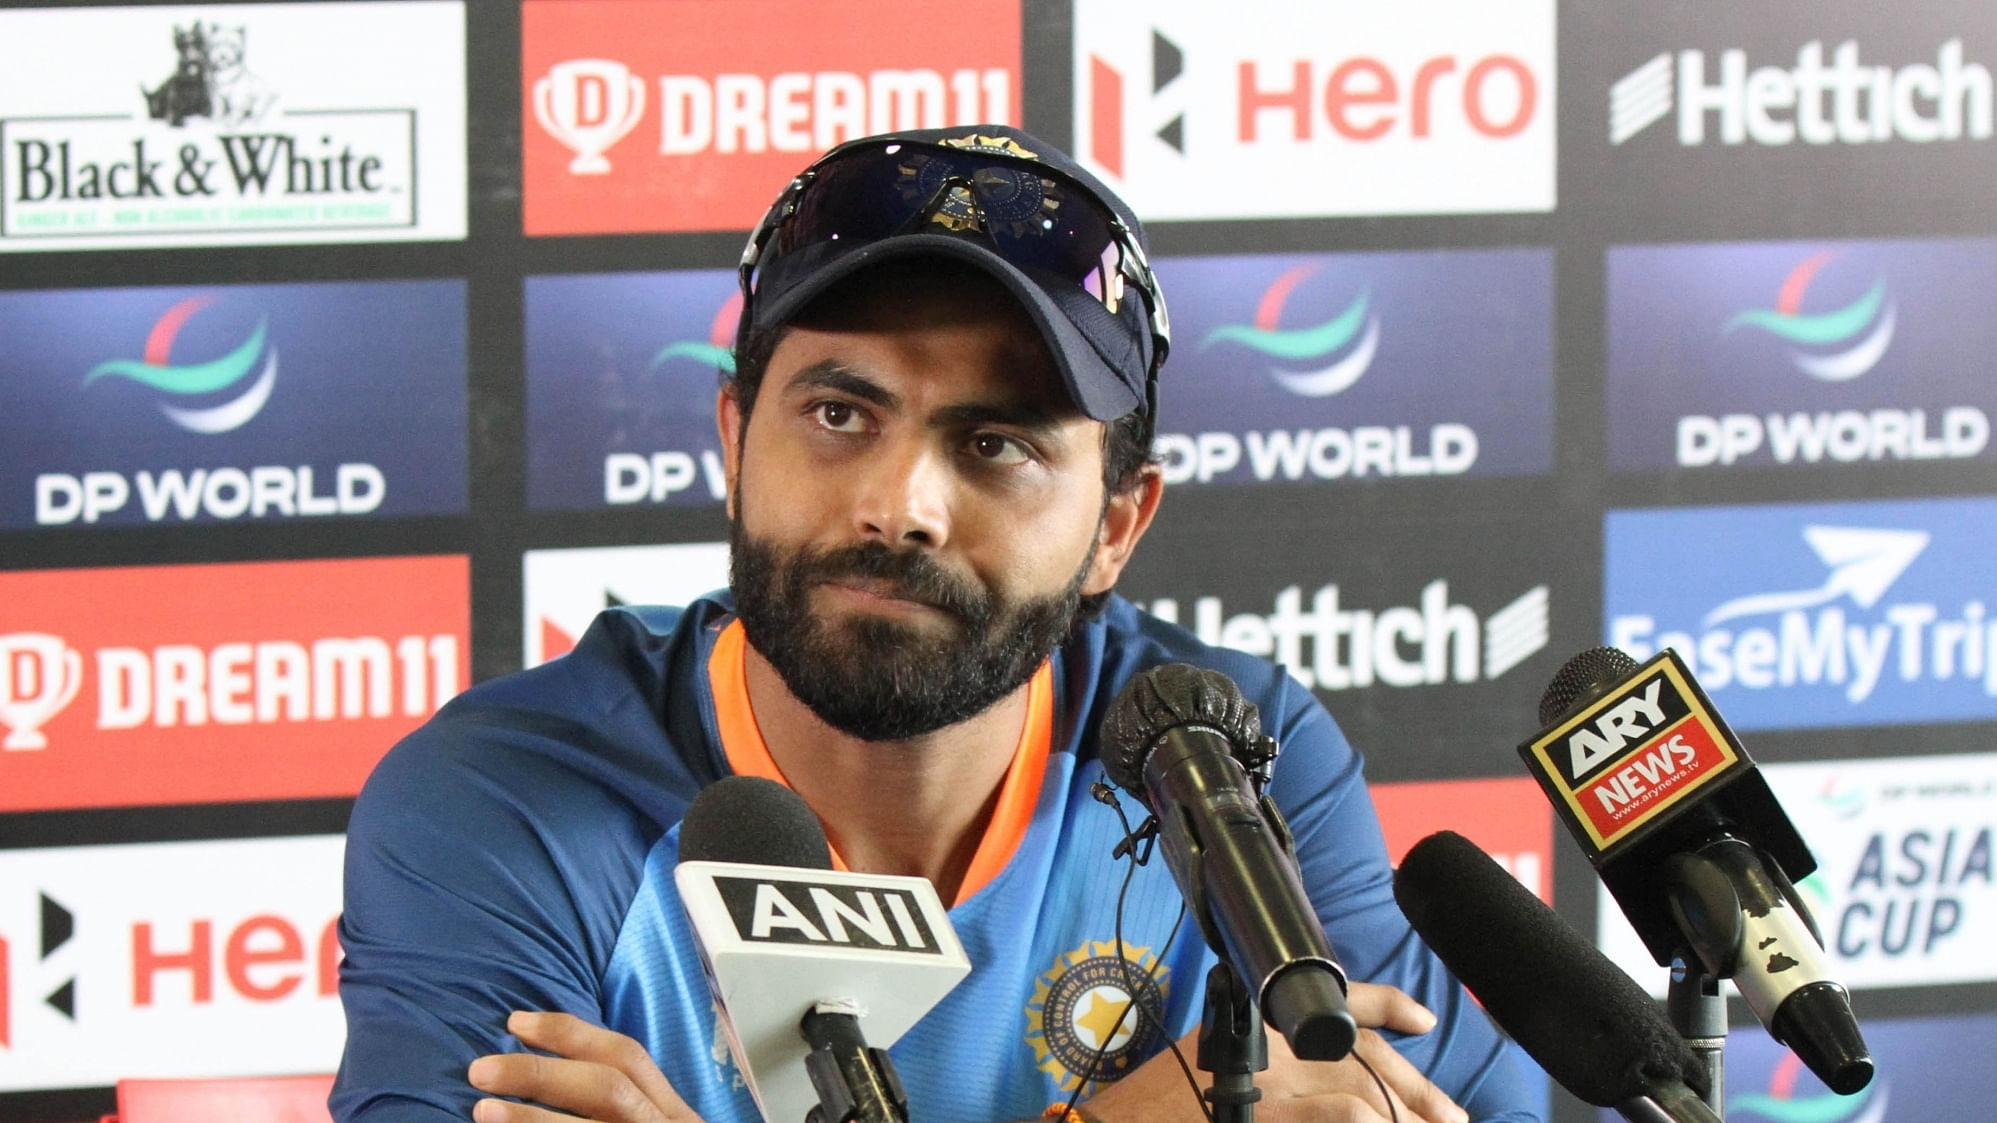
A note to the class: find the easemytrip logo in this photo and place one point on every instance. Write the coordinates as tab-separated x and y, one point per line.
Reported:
694	116
1905	890
1830	96
1333	646
1777	354
1321	368
622	372
131	406
150	957
1264	110
205	684
1815	614
237	124
565	590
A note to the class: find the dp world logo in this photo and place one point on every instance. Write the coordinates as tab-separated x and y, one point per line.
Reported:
717	350
1832	345
1314	361
237	377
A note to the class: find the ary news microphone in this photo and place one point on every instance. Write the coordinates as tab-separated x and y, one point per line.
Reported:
1586	1023
798	956
1176	737
1693	845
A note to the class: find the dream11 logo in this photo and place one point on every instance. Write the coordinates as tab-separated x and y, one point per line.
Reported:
730	97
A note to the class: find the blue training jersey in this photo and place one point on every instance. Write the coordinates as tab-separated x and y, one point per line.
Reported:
517	851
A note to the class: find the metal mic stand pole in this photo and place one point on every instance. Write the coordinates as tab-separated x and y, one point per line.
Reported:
1233	1046
1699	1013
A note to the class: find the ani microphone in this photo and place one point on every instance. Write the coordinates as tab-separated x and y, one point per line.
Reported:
799	957
1586	1022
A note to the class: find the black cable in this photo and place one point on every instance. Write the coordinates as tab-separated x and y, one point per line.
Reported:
1138	856
1393	1116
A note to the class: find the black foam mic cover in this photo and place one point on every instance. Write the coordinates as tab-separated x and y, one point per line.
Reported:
1585	1021
755	821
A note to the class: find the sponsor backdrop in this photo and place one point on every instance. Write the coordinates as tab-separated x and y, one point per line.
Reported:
360	351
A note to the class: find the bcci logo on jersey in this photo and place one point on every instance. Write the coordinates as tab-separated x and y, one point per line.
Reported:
1080	1022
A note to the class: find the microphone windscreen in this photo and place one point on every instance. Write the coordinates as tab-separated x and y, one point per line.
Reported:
1162	698
751	820
1585	1021
1583	679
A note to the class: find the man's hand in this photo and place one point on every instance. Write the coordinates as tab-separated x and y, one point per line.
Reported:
596	1074
1295	1091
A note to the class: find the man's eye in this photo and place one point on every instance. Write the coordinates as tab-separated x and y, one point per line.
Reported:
839	417
994	449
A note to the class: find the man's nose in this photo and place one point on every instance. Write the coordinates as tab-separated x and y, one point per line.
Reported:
903	496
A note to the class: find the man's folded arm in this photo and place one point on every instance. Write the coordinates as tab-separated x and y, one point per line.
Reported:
481	878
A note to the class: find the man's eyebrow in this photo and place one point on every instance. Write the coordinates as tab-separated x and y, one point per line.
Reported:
1015	415
831	374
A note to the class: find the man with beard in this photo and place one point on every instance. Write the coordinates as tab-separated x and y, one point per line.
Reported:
936	443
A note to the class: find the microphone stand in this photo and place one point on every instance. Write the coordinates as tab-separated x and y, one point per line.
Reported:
1699	1013
1233	1046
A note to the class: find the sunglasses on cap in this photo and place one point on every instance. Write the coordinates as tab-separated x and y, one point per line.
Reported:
1044	222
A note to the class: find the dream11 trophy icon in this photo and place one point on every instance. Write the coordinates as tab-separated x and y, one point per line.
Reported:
39	675
589	104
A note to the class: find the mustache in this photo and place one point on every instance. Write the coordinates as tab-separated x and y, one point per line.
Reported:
908	574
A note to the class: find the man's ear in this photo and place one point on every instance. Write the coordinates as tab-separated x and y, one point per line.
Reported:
1129	515
728	420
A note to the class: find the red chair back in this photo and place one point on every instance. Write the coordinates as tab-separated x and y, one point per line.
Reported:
263	1099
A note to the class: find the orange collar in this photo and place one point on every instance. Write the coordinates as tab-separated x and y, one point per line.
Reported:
748	755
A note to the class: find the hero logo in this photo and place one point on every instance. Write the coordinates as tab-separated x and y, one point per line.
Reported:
1842	103
231	684
58	925
629	477
1316	361
1834	345
1361	99
1812	639
1353	648
244	385
590	104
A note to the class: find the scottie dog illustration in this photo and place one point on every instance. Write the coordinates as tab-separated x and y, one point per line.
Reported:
185	94
237	95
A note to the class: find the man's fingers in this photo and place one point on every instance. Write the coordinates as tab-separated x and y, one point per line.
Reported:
500	1111
1406	1084
570	1037
588	1089
1375	1006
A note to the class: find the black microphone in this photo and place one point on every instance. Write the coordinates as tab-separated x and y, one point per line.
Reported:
747	820
1176	737
1586	1023
1693	845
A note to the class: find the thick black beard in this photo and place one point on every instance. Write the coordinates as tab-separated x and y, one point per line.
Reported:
877	679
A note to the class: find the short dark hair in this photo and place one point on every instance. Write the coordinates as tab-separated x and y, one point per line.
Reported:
1126	440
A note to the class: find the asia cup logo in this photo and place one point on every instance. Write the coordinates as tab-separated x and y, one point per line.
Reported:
228	374
1345	344
589	104
1080	1023
1835	345
1782	1104
39	677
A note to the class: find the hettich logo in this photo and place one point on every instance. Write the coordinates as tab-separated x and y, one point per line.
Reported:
1816	102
